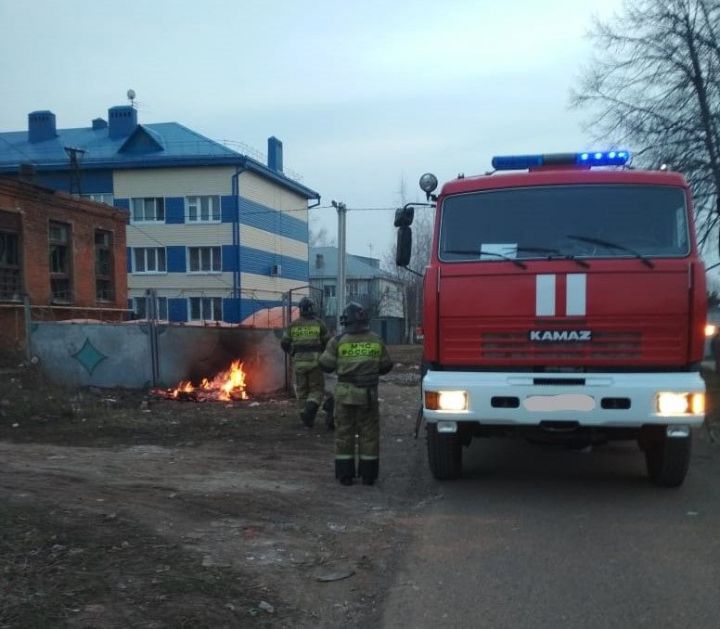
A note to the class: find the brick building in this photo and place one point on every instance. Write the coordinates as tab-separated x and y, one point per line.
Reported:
67	254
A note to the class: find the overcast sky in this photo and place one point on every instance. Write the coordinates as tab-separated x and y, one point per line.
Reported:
363	94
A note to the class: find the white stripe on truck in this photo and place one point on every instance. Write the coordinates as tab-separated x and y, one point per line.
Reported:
576	298
545	295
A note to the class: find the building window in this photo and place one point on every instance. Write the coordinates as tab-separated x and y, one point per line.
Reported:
60	263
10	276
204	259
205	308
100	197
359	287
205	209
148	210
329	290
103	266
149	260
139	306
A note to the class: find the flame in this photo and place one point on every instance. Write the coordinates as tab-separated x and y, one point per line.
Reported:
225	386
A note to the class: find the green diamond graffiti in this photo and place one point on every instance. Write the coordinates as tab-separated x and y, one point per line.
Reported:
88	356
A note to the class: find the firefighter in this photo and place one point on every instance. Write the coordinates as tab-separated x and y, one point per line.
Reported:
359	356
715	350
304	340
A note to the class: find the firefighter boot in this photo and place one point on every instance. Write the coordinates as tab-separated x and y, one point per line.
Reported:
329	408
345	470
369	470
309	412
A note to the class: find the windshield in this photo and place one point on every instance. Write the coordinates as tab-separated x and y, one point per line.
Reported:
581	221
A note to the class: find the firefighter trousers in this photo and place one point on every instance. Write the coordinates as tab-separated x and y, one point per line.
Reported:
361	425
309	386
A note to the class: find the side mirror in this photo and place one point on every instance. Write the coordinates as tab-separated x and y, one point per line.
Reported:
404	216
404	245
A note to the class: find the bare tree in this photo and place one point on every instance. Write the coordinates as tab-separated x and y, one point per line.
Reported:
318	235
655	85
377	301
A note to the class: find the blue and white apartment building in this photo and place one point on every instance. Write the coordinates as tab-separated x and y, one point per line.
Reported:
218	234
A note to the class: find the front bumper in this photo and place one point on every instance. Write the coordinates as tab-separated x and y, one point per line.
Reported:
590	399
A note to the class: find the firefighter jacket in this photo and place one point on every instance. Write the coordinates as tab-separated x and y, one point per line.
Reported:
359	359
304	340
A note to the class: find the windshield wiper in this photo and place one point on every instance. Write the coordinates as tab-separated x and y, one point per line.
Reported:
552	254
612	245
480	252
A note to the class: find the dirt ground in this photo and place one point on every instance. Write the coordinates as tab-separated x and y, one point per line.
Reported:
121	511
118	510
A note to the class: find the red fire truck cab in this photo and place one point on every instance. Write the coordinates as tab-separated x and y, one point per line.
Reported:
564	301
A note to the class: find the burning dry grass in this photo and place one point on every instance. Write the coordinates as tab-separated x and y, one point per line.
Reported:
227	386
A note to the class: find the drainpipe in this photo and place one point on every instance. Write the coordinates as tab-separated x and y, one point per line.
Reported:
236	231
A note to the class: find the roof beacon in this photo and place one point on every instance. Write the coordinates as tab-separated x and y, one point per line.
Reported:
587	158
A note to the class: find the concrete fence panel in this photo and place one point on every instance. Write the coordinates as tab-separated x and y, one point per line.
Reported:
120	355
93	354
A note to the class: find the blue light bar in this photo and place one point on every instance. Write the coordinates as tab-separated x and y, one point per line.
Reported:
604	158
587	158
516	162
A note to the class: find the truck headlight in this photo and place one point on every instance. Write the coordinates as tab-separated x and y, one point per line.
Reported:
446	400
710	330
680	403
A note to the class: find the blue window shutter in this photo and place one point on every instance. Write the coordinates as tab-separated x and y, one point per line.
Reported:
227	209
174	210
176	260
231	310
177	310
129	259
229	258
122	203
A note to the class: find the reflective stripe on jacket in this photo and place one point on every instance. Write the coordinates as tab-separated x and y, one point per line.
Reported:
305	338
359	359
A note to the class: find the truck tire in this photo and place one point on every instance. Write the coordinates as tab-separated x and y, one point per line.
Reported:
668	459
444	454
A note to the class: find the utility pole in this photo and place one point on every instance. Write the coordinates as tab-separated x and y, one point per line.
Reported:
342	260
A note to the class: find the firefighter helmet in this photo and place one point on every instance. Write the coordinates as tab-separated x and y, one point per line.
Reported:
307	307
354	313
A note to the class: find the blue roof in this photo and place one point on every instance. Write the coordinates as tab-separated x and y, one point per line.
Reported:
161	144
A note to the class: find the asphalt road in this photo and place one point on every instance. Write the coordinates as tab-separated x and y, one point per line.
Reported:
538	537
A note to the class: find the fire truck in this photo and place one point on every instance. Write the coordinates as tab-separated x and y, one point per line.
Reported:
564	302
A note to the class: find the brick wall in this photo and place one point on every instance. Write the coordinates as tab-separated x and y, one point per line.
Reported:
36	207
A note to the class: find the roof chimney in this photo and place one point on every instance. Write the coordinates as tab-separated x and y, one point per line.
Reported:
99	123
122	121
275	154
41	126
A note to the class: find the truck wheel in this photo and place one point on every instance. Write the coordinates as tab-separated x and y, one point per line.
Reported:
668	459
444	454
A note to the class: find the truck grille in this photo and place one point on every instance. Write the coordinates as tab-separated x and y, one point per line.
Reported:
604	345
